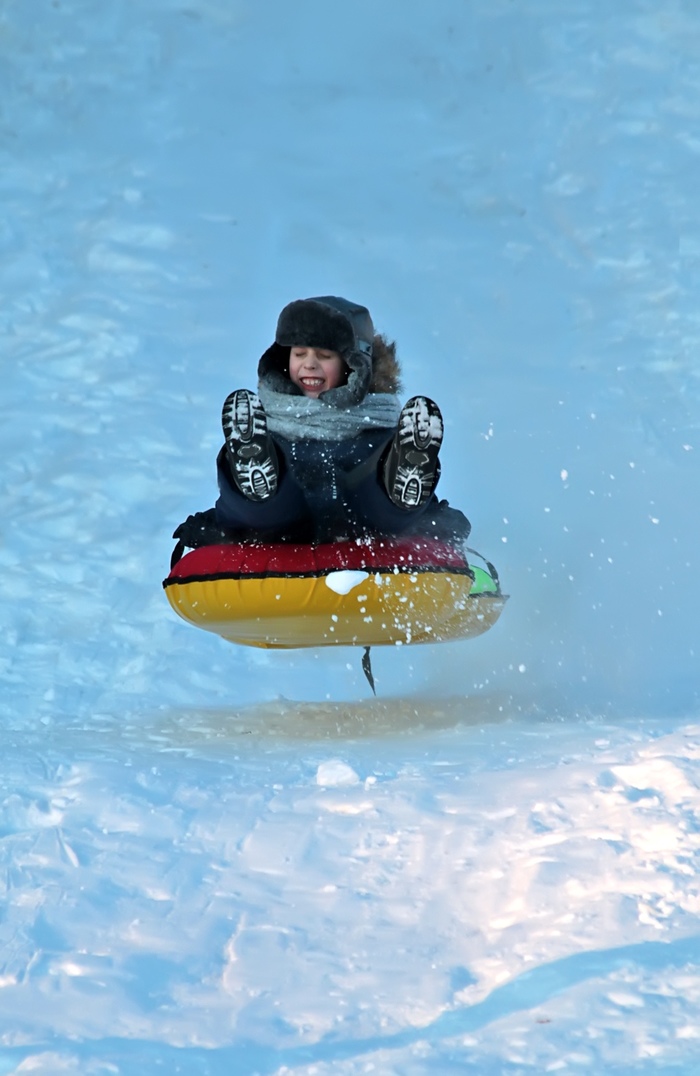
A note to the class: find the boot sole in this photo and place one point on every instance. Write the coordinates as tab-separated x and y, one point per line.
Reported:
248	446
411	471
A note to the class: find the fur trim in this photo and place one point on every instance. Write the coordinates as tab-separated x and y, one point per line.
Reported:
386	372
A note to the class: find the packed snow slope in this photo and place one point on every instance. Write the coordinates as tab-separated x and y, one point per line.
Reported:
218	860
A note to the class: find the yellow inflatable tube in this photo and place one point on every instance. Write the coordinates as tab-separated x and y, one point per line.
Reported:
369	593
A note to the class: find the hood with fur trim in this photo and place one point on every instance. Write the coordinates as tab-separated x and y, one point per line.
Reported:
339	325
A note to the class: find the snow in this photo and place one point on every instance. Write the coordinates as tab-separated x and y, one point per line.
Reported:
334	774
222	860
344	581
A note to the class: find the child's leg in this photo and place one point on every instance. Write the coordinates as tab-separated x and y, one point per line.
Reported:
395	485
371	505
283	510
368	499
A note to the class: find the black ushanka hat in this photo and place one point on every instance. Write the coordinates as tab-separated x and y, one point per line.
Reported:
325	322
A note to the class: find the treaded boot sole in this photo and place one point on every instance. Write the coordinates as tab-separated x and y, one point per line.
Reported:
411	467
248	445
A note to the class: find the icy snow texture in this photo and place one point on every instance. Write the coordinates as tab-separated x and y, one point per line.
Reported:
509	885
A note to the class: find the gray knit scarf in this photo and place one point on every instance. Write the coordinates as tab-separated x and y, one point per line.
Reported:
301	418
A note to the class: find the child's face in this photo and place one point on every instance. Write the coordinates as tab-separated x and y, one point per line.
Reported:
315	369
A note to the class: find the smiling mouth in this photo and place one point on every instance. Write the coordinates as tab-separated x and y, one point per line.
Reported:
312	382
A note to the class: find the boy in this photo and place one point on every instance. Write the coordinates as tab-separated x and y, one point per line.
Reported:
324	451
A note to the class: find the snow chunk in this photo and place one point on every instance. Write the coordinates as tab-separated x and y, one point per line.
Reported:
336	774
343	582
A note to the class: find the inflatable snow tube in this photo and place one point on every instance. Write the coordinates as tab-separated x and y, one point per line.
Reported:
360	593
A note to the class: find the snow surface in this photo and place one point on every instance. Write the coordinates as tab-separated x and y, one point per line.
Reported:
217	860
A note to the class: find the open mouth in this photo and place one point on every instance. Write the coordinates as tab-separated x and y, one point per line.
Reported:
312	382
